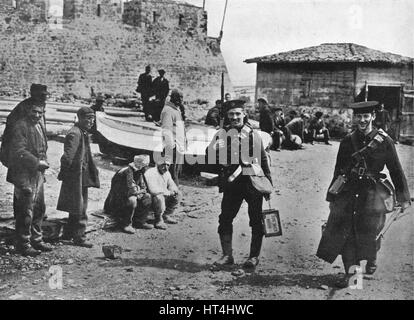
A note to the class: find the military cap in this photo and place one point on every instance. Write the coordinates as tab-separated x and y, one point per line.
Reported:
262	100
161	71
38	88
85	111
278	109
232	104
364	107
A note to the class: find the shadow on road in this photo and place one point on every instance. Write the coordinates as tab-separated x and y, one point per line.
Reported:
173	264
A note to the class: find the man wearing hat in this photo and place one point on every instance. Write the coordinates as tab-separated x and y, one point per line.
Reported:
356	193
38	97
128	198
239	152
164	193
316	127
161	88
145	89
27	165
173	133
77	173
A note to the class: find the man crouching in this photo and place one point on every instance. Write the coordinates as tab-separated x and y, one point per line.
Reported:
164	193
128	200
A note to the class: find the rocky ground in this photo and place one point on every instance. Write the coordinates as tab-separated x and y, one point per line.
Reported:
176	263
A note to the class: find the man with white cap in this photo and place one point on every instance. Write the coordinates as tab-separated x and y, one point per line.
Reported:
128	198
164	193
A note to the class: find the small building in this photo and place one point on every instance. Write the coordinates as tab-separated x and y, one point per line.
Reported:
333	75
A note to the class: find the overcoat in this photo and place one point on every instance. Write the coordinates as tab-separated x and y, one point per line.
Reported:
124	184
77	170
27	148
355	209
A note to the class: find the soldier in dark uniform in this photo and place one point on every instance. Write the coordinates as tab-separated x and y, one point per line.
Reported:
145	89
236	184
382	119
357	211
265	118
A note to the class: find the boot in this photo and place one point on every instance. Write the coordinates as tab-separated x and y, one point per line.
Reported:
41	246
370	267
255	247
226	246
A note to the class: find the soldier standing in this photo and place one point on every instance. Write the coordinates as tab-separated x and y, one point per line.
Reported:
357	211
27	164
236	183
77	173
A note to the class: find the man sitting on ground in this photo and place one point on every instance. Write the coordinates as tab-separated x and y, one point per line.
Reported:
213	115
164	193
317	127
128	198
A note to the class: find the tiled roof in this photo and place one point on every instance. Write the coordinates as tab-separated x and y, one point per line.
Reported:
333	52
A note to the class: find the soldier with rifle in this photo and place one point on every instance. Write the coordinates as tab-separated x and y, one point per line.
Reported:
359	194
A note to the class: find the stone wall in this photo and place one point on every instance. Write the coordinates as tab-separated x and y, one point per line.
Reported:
106	54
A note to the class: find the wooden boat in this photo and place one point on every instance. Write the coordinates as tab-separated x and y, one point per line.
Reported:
126	137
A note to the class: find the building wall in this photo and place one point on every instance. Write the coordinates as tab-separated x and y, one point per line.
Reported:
106	54
310	85
383	75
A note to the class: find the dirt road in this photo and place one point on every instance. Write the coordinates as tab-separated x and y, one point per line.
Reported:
176	263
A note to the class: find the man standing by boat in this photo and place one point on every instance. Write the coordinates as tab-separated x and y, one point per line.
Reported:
145	89
161	88
173	133
77	173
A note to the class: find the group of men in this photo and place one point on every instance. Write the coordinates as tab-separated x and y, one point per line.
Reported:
160	88
290	132
357	207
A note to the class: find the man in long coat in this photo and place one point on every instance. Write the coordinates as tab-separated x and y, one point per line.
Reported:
161	88
357	213
245	157
128	198
27	164
145	89
77	173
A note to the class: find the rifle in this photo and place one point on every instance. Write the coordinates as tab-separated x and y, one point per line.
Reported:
396	215
221	169
222	102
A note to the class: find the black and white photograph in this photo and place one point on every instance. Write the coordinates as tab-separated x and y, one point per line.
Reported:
187	151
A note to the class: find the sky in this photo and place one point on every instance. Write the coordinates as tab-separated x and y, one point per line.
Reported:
260	27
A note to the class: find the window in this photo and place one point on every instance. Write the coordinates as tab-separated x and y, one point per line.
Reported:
180	20
155	17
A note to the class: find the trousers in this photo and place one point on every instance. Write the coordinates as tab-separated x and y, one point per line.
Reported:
29	210
233	195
